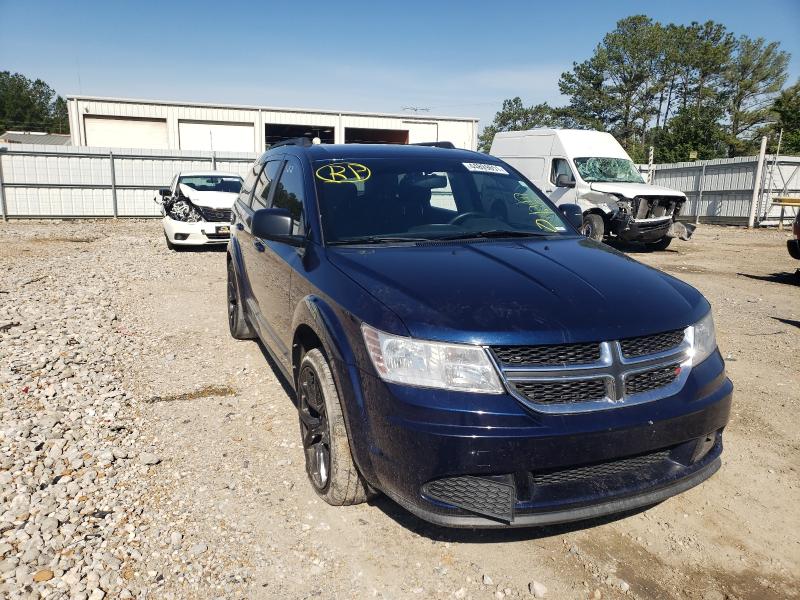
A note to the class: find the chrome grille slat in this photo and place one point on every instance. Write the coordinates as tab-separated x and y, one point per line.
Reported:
215	215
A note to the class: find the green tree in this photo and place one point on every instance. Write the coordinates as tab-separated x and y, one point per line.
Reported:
753	78
30	105
617	88
515	116
786	111
692	129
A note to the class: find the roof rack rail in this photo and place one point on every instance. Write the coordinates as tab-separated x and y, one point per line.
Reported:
303	142
448	145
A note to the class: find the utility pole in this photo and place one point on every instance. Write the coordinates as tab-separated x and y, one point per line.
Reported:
757	184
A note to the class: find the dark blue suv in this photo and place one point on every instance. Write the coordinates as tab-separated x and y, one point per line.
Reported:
455	343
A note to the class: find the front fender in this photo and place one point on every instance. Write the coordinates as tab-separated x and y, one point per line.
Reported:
594	200
336	333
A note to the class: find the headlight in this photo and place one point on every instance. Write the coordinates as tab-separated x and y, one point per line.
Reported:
405	360
704	340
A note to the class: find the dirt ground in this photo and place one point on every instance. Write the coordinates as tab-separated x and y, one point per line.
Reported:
231	479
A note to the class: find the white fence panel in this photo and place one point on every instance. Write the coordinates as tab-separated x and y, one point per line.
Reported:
58	181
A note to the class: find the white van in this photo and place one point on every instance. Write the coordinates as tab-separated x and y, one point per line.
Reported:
591	169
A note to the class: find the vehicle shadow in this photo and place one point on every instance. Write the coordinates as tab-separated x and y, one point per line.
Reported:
276	370
792	322
635	248
786	278
489	536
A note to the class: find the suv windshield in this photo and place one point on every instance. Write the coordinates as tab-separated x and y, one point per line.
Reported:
384	199
212	183
595	168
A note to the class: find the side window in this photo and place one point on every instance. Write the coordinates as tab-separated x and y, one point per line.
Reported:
264	184
250	182
289	194
560	166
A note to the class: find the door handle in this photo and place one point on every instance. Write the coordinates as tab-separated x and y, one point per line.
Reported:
258	245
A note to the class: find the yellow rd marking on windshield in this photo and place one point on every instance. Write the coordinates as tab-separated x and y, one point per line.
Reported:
546	225
343	172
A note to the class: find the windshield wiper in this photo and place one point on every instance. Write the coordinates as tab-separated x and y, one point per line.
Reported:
376	239
494	233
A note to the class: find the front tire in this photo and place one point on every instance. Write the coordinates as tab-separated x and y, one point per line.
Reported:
593	227
329	462
237	322
661	244
170	245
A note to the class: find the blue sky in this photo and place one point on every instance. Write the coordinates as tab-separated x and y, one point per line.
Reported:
456	58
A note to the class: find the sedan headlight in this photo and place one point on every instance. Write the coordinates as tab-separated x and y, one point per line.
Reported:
409	361
703	338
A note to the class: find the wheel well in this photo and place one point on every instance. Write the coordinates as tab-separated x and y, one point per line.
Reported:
304	340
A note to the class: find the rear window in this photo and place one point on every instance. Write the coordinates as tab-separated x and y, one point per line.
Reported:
429	199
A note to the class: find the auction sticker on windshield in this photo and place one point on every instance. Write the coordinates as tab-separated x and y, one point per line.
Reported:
348	172
485	168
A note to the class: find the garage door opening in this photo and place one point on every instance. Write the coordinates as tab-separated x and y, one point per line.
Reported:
358	135
274	133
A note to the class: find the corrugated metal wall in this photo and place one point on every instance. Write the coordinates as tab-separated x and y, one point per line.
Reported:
720	191
58	181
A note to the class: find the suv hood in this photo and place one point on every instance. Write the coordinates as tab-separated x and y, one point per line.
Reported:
629	190
209	199
521	291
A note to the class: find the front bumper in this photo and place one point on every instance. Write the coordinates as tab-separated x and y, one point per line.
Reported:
532	468
645	230
198	233
793	246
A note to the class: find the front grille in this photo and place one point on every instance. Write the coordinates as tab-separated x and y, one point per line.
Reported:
599	470
216	215
561	354
651	380
562	392
475	494
651	344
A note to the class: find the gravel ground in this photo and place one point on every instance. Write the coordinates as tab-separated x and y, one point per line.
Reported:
144	453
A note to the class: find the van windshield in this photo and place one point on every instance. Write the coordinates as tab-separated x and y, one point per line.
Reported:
379	200
595	169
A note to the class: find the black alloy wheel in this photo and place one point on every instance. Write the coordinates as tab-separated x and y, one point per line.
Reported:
314	429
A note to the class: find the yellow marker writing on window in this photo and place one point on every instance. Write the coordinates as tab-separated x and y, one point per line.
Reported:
347	172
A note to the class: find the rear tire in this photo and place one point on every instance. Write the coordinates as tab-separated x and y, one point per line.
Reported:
237	322
329	461
593	227
661	244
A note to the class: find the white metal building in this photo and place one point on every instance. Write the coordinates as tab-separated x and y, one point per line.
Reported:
152	124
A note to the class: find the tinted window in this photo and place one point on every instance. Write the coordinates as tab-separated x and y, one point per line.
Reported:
264	184
250	182
429	198
289	194
560	167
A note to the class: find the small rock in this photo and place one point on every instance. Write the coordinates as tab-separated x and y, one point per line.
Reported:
148	458
97	594
460	593
623	585
487	580
198	549
43	575
175	539
539	590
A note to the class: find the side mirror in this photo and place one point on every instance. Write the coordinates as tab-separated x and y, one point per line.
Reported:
164	192
565	181
573	213
275	224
